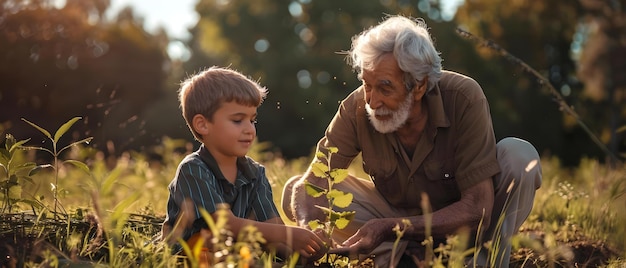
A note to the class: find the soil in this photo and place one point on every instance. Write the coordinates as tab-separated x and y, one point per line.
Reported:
581	252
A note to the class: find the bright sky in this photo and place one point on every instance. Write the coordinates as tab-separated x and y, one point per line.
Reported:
176	16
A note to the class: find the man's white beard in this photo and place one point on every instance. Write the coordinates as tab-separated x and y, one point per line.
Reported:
398	117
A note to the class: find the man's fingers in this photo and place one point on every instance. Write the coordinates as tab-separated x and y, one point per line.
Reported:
355	238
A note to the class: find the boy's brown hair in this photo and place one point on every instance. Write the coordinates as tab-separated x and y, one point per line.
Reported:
204	93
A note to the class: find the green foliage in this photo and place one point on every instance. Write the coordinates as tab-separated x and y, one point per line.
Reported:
14	171
117	226
218	247
336	198
55	152
577	204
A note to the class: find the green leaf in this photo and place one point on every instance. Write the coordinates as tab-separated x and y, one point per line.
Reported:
38	168
45	132
333	150
320	155
319	169
316	224
314	190
339	174
64	128
342	217
340	199
342	223
17	145
82	166
334	215
38	148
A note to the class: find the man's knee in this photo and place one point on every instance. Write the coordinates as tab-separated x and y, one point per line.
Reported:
518	148
287	196
521	159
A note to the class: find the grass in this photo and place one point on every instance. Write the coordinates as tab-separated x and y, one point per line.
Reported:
112	212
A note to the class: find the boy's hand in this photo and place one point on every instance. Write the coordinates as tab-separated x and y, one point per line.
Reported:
308	244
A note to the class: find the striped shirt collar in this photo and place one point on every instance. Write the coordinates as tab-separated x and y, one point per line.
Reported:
243	165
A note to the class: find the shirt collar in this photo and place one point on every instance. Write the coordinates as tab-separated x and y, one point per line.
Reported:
243	165
436	113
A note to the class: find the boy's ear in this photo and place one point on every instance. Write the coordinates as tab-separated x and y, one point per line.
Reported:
200	124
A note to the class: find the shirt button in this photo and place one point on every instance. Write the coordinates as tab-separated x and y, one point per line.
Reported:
446	175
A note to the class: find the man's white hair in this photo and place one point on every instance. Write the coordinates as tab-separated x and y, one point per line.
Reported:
409	41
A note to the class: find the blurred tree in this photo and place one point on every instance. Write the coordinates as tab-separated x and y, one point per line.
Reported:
57	63
544	35
600	47
292	48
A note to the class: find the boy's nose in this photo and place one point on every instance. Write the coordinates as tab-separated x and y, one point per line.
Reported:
250	128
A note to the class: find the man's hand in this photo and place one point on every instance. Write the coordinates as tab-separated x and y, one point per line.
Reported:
366	239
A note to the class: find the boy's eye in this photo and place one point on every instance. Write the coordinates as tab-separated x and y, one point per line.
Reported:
239	121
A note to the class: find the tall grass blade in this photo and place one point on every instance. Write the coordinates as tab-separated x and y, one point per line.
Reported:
110	180
209	220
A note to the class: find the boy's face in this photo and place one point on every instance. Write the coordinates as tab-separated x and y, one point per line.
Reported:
231	132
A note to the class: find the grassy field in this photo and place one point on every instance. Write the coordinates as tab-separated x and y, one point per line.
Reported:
108	210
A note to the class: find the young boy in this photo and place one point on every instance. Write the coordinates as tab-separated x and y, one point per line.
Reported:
220	108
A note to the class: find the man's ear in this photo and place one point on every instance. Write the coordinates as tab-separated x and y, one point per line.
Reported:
421	89
200	124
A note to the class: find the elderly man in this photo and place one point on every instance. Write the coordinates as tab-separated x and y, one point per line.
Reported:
421	131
